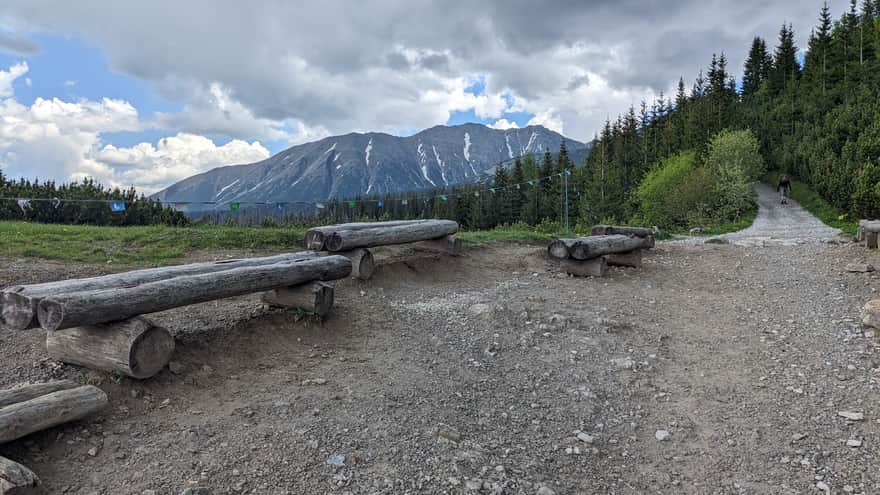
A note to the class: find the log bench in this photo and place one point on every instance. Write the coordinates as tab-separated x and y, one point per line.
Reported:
608	246
868	231
98	323
353	240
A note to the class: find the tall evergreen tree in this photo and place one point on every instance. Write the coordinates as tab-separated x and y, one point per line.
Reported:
755	72
785	64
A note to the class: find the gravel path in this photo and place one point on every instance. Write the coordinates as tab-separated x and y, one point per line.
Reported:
712	369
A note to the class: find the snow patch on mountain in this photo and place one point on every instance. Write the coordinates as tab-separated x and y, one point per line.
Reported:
509	149
217	196
467	146
440	164
423	163
367	151
531	140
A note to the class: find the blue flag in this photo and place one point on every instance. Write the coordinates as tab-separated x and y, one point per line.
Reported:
381	203
117	206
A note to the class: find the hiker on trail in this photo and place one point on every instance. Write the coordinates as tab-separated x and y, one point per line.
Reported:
784	188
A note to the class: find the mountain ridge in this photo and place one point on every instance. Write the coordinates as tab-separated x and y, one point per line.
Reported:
358	164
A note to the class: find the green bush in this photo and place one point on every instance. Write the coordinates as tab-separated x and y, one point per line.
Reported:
673	191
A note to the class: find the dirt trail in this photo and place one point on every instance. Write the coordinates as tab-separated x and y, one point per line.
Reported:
495	373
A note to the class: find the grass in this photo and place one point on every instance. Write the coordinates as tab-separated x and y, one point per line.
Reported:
505	234
813	203
150	245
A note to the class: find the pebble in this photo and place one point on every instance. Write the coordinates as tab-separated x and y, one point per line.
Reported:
852	442
859	267
336	460
852	416
583	437
623	363
823	486
662	435
314	381
94	451
545	490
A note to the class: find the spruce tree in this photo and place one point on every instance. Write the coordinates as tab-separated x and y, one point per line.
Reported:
754	71
785	64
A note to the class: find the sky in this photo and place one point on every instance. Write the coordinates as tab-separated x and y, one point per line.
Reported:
147	93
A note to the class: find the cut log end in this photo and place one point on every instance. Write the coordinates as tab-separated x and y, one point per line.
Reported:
134	347
18	312
362	263
16	479
557	249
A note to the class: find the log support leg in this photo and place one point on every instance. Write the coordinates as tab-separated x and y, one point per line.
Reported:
134	347
450	244
871	240
595	267
632	259
314	297
362	264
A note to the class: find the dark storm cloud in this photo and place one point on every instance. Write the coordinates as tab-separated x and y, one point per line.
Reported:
17	45
385	63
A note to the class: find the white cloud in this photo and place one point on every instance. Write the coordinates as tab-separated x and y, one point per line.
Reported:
7	77
504	124
61	140
173	158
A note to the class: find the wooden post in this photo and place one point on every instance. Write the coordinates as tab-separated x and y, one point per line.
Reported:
346	240
135	347
18	304
22	419
595	267
16	479
632	259
450	244
30	391
362	263
314	297
870	239
92	307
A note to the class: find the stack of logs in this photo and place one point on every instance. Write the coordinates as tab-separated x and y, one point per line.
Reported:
30	408
352	239
868	232
607	246
96	322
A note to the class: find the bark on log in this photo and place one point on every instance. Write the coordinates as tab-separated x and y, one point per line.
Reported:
16	479
93	307
618	230
136	347
30	391
595	246
346	240
595	267
22	419
362	263
450	244
632	259
19	303
314	297
316	236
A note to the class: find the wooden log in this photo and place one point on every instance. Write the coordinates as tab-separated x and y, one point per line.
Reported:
315	236
595	246
16	479
632	259
22	419
362	263
92	307
18	304
314	297
870	239
30	391
346	240
565	248
619	230
450	244
135	347
595	267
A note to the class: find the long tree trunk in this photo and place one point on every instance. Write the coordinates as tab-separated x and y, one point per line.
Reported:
23	418
19	303
92	307
135	347
618	230
315	236
16	479
346	240
314	297
595	246
30	391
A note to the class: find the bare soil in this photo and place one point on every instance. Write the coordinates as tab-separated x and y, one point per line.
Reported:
476	374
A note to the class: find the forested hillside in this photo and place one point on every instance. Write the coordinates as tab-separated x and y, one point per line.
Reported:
818	120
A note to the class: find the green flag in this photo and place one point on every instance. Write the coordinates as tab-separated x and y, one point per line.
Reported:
234	206
443	197
351	204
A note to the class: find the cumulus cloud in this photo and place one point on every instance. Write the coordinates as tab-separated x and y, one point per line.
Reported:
61	140
504	124
402	66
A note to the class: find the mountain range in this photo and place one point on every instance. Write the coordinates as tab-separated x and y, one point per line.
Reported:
373	163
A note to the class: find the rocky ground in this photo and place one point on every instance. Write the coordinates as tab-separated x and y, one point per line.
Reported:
718	368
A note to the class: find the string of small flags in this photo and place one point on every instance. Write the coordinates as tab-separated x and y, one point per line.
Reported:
119	206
